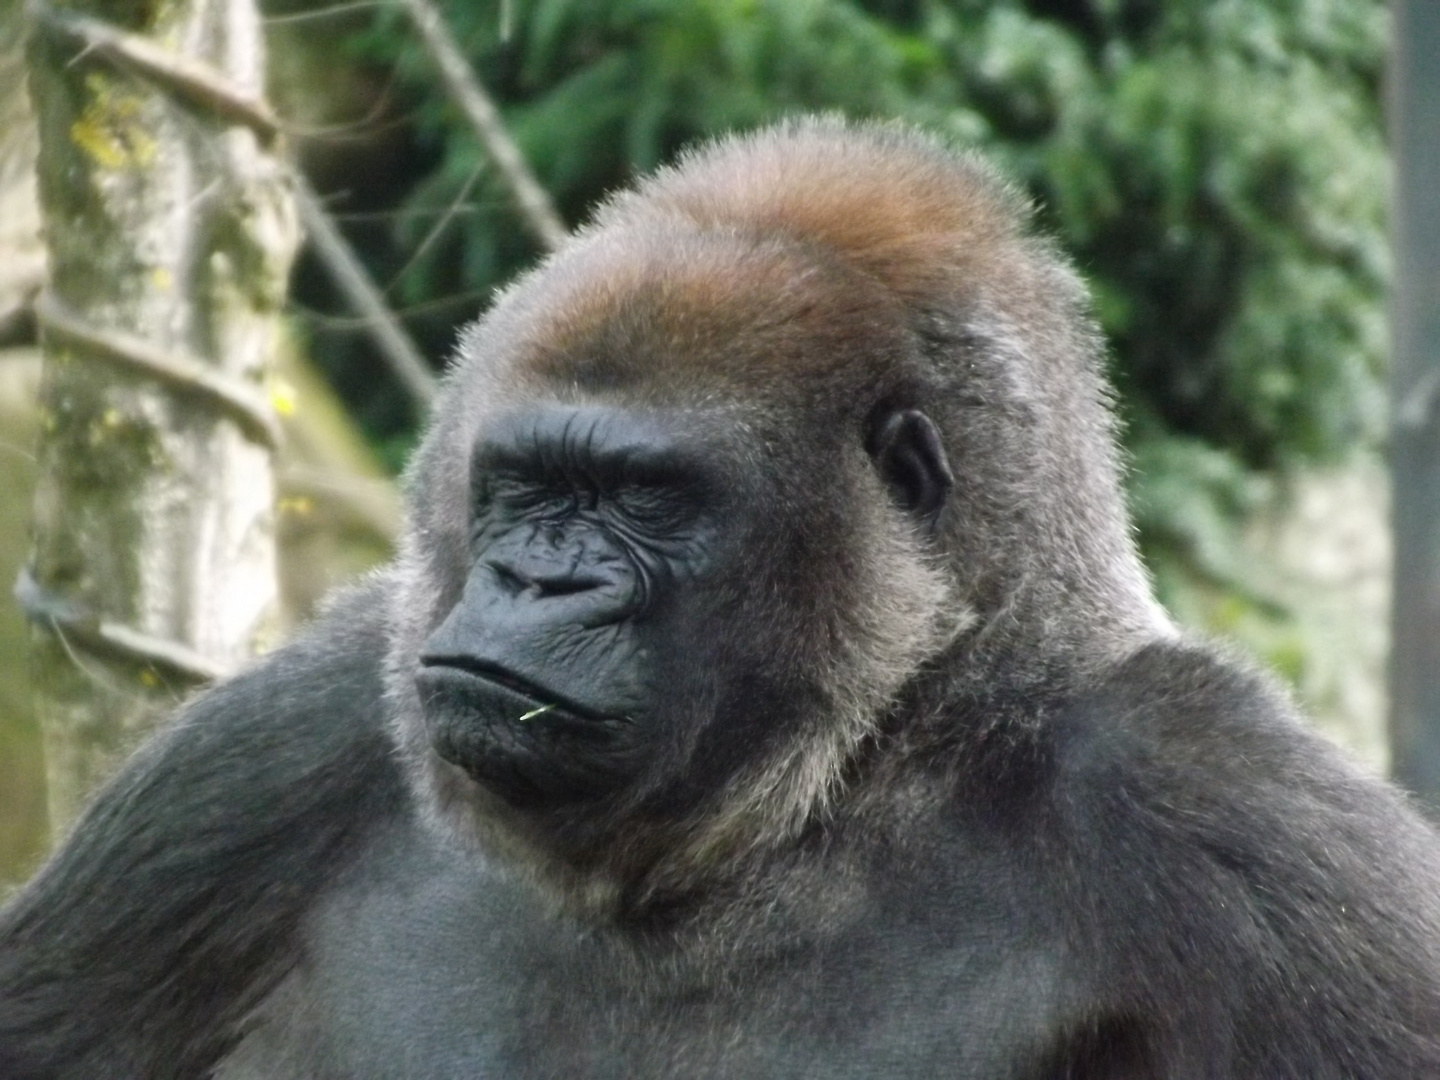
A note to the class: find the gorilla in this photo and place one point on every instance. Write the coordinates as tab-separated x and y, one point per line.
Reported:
767	687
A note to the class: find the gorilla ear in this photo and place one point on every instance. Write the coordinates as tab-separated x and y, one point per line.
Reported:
911	459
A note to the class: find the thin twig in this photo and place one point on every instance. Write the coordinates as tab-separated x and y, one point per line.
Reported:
327	12
61	613
437	230
343	324
403	356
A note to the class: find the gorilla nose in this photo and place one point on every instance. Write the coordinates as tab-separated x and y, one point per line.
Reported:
526	591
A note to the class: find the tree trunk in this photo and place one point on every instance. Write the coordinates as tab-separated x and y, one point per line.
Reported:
171	231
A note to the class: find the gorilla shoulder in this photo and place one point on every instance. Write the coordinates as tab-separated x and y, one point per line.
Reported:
161	918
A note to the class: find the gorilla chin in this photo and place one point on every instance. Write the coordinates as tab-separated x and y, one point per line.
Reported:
520	741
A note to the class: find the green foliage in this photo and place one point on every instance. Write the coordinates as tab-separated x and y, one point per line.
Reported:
1217	169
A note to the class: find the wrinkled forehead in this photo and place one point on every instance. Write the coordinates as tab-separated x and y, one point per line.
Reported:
682	317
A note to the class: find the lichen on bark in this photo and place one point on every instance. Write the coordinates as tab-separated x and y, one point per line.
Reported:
170	225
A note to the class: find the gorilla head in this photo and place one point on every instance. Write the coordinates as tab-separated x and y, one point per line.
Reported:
687	533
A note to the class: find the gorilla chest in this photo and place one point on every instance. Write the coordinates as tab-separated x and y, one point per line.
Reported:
460	976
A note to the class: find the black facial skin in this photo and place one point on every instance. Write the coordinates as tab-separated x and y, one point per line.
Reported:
596	535
541	682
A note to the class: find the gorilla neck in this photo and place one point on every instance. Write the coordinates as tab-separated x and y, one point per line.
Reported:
1064	608
610	860
1053	631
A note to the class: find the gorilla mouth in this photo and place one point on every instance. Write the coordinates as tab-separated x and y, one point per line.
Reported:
544	701
530	745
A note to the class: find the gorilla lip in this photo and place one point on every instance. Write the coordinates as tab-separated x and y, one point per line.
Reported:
546	702
526	744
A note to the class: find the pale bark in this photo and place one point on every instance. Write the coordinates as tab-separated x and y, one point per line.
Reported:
171	230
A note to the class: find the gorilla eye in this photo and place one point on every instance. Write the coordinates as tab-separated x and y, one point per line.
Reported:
911	459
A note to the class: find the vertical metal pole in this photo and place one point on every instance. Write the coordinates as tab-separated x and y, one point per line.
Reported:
1415	399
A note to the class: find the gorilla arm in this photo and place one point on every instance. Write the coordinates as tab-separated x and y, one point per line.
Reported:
174	906
1236	888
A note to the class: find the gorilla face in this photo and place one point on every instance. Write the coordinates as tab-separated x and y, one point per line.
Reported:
594	542
601	641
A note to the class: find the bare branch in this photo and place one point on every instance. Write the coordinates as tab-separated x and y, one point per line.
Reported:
187	374
183	78
465	89
395	344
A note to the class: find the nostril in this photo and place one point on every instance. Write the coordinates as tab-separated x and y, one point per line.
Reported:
507	579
